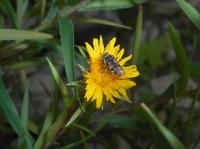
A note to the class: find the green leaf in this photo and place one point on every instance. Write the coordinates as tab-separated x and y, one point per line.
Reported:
13	34
20	11
182	58
59	82
136	44
110	4
55	127
49	17
101	22
74	116
190	11
169	136
67	41
12	116
60	120
81	127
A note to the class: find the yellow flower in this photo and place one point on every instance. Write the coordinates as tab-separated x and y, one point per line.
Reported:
109	77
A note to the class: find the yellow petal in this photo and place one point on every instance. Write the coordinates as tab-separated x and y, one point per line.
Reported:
90	91
126	83
131	71
132	74
123	61
89	49
96	45
99	99
110	46
120	54
116	50
108	95
123	93
113	92
101	45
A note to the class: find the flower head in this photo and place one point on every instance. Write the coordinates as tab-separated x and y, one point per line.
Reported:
108	76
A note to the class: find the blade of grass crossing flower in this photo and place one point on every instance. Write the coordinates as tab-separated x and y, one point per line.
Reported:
182	59
169	136
13	34
136	43
67	40
9	10
12	116
59	82
190	11
110	4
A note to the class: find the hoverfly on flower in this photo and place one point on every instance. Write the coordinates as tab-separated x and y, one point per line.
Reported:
112	64
108	76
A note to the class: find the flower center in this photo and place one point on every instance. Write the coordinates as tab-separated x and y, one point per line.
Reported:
101	74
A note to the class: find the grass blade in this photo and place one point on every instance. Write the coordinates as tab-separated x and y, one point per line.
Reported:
59	82
110	4
81	127
190	11
25	104
20	9
74	117
101	22
136	44
67	40
47	123
181	58
169	136
12	116
60	121
55	127
13	34
9	10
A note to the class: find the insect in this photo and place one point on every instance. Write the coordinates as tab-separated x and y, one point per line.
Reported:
111	63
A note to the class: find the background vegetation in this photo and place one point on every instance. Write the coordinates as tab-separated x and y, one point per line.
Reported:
42	58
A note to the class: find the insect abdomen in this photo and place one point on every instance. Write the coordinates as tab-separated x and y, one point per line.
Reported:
111	63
